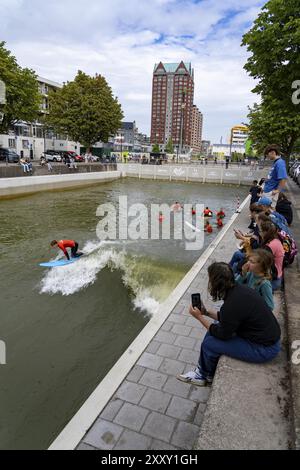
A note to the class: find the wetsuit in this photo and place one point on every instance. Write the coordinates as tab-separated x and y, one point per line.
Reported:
64	244
208	213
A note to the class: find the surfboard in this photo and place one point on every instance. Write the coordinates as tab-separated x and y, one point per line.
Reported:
60	262
193	227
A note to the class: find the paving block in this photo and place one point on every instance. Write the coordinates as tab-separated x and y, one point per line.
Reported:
150	361
175	387
178	310
167	326
172	367
156	400
153	379
197	333
182	409
176	318
189	356
85	447
135	374
200	414
160	445
185	342
169	351
181	330
165	337
185	436
191	321
153	347
131	392
112	409
159	426
103	435
200	394
131	417
131	440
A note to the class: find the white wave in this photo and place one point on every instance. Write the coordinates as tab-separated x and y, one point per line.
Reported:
69	279
146	303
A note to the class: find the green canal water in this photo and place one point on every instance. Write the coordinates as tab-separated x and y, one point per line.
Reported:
65	328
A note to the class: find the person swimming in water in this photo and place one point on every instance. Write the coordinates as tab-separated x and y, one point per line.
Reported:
64	244
176	207
207	213
208	228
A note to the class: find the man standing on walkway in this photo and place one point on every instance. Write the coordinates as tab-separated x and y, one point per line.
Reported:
277	178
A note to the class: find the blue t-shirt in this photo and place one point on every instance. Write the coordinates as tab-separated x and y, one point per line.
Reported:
277	173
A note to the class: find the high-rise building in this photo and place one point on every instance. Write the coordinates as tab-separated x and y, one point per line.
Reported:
196	130
172	104
239	135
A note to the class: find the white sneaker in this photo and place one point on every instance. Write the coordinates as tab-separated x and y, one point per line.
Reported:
194	377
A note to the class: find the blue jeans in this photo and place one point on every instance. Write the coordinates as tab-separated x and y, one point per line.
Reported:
238	348
276	284
237	257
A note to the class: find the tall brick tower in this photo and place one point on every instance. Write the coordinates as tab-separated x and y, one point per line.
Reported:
172	104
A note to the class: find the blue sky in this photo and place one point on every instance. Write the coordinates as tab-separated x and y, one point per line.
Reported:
123	40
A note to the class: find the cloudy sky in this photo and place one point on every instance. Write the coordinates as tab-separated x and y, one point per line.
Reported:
122	40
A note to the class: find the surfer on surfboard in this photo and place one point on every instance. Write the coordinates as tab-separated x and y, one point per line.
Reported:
64	244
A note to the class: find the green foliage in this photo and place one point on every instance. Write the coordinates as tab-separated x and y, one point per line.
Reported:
85	110
268	126
274	44
22	94
170	146
155	148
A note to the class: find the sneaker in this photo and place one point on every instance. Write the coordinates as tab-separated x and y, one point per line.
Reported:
194	377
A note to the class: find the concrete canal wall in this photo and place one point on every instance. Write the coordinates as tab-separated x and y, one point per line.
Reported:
243	175
11	187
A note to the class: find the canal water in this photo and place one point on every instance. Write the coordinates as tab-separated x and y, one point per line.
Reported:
65	328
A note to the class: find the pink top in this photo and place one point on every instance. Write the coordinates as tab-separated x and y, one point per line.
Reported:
278	252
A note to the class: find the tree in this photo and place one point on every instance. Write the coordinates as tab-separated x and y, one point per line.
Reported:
22	93
155	148
85	110
267	125
274	44
170	146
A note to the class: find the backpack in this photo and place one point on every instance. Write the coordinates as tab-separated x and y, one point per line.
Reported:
289	246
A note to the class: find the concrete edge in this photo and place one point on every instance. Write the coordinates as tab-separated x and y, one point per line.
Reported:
292	302
29	185
81	422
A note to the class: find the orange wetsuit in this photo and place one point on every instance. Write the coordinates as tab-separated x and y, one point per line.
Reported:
63	244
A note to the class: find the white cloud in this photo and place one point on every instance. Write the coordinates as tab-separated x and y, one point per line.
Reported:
123	40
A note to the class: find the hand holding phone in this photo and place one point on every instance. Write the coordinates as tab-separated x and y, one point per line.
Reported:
196	301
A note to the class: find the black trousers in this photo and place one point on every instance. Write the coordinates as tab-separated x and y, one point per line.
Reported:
74	250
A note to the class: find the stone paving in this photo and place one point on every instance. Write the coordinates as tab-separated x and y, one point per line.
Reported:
152	410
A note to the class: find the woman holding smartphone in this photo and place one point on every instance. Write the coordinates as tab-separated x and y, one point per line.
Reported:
245	327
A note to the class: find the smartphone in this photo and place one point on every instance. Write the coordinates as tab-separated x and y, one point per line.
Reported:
196	301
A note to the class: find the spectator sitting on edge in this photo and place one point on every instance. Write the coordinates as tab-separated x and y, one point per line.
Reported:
244	328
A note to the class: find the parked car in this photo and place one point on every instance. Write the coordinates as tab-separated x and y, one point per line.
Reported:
52	156
67	154
296	173
9	156
293	168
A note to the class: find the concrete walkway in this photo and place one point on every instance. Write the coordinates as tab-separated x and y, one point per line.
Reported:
151	409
